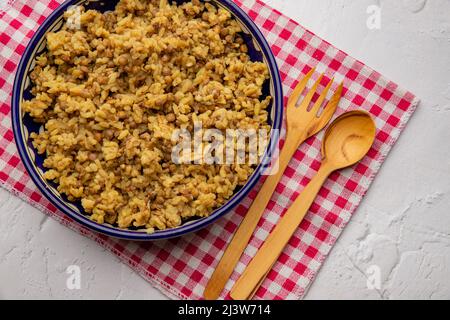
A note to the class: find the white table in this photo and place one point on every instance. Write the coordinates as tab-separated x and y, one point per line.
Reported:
402	227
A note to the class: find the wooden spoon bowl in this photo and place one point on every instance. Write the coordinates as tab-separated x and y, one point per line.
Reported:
348	139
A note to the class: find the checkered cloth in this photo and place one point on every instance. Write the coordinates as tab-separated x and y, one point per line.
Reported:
181	267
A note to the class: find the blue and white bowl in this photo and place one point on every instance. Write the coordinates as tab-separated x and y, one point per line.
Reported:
23	124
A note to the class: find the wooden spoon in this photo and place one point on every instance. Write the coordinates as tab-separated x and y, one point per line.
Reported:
346	142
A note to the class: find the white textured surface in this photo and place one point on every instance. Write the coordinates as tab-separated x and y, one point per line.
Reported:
402	226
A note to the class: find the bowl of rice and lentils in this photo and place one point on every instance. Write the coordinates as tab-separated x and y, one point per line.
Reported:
103	86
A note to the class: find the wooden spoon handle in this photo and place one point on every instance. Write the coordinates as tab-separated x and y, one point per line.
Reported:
268	254
242	236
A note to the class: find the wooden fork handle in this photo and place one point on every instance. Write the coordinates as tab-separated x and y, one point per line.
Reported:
268	254
242	236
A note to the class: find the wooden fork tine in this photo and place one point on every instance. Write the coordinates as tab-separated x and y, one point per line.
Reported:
330	108
305	103
293	99
315	109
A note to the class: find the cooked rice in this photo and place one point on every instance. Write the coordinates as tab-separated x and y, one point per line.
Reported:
111	93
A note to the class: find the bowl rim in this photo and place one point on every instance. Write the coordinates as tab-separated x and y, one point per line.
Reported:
237	198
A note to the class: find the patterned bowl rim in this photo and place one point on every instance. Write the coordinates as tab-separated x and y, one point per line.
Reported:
277	111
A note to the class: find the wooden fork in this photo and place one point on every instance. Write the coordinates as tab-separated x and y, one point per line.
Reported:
302	123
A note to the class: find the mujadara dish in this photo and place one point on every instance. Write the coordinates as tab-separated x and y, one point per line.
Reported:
111	88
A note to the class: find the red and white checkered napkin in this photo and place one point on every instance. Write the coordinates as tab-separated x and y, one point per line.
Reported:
181	267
